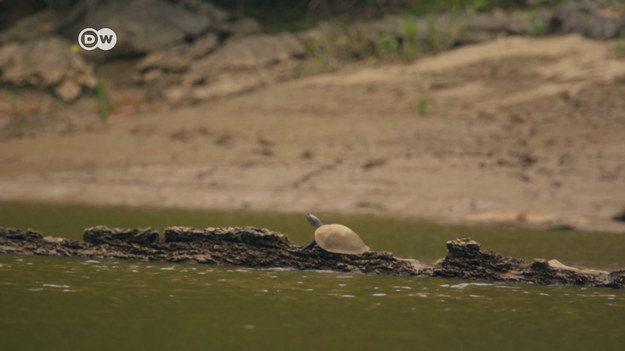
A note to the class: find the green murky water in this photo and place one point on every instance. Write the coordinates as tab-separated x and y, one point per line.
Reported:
75	304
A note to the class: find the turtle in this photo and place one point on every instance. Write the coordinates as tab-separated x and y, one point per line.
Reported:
335	238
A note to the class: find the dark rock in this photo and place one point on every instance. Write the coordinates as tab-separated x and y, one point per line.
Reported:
207	9
29	28
589	19
620	216
554	272
144	26
466	260
255	247
243	26
19	234
115	236
617	279
248	235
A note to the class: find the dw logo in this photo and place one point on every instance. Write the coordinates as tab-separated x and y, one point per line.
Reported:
103	39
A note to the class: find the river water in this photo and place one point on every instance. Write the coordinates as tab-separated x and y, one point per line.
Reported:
78	304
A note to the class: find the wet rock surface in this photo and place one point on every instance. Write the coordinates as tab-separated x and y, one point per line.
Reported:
262	248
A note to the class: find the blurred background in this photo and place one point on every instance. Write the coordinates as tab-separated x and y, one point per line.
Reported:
464	111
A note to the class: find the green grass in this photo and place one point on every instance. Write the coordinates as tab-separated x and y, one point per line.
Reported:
410	41
102	98
537	26
619	45
387	46
295	15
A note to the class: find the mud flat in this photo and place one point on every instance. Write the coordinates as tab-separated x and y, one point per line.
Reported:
263	248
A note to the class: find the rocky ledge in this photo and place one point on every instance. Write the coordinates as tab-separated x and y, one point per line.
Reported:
262	248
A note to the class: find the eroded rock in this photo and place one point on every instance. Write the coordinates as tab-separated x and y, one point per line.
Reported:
242	64
256	247
115	236
46	63
246	53
179	58
466	260
144	26
29	28
590	19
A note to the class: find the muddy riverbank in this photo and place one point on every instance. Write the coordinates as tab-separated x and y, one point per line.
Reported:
508	129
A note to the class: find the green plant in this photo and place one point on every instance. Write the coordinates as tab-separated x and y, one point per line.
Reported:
433	34
619	48
410	42
102	98
387	46
363	44
619	45
481	6
537	25
422	101
355	47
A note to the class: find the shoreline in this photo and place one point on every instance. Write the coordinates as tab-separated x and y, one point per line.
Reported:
499	141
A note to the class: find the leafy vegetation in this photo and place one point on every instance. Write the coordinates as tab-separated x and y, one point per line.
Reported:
537	25
619	48
279	15
422	101
102	98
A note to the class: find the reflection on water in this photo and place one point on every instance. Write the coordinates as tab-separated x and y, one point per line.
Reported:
63	304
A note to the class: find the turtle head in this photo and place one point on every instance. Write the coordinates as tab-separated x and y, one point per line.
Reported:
313	220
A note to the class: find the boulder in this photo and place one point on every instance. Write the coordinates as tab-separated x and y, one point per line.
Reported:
246	53
115	236
46	63
207	9
29	28
240	64
243	26
19	234
179	58
144	26
589	19
249	235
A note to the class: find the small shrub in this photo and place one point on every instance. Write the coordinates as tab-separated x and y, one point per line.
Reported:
537	25
619	46
434	39
387	46
410	42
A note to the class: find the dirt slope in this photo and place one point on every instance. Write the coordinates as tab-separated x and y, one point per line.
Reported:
530	131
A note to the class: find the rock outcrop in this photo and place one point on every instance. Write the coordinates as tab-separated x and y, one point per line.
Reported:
192	50
47	63
262	248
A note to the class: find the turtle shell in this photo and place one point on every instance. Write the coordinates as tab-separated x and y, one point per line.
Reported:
338	238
